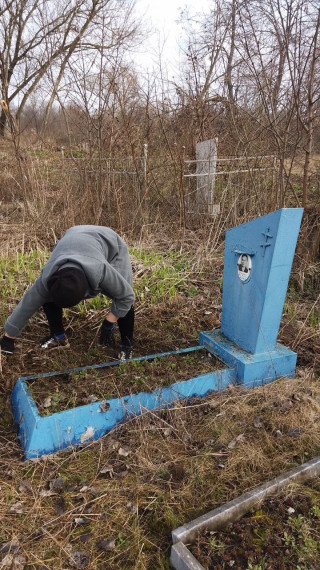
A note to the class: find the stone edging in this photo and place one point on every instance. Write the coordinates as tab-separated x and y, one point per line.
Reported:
182	559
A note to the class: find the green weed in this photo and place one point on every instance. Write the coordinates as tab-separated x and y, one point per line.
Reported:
315	511
314	318
252	566
19	270
215	544
165	276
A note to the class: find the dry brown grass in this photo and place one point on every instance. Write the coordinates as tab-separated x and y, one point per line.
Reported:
178	464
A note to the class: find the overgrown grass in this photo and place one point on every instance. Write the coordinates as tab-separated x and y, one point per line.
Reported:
163	275
19	271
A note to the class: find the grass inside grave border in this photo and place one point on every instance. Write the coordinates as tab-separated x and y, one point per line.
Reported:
71	389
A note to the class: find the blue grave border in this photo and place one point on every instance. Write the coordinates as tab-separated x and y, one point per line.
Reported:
42	435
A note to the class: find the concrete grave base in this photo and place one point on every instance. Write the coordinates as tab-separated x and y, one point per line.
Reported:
182	559
251	369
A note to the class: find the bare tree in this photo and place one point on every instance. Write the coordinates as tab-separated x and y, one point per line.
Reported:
41	35
252	74
209	60
280	41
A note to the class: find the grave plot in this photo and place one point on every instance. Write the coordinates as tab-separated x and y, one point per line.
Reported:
283	532
258	259
274	526
74	425
67	390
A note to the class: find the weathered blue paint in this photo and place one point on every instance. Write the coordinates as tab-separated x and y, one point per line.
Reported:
252	308
251	369
47	434
253	298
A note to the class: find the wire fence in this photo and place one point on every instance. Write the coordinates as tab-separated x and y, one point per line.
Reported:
142	189
238	184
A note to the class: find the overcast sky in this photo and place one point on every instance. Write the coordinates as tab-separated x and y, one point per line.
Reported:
161	15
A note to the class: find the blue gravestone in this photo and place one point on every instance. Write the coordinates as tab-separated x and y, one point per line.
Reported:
257	264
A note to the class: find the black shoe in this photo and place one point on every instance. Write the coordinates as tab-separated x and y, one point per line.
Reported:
7	345
125	353
51	342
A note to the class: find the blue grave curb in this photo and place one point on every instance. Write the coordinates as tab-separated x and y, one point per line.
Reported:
40	435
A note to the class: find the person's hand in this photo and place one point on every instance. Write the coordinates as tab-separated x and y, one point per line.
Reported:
7	345
107	333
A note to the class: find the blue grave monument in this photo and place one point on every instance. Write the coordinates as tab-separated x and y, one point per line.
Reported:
257	264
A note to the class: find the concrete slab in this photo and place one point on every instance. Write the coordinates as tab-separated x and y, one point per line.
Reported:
251	369
182	559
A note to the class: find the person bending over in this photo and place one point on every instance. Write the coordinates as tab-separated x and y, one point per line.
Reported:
87	261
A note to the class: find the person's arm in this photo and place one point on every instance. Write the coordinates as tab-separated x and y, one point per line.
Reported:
119	290
32	300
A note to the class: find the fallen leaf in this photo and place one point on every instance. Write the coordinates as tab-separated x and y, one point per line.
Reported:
122	474
106	544
80	521
295	398
295	432
234	442
59	506
57	485
17	508
85	537
257	422
107	470
112	444
286	405
92	398
104	406
132	508
25	487
14	562
46	493
79	559
12	546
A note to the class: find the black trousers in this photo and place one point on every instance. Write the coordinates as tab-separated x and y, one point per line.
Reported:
54	316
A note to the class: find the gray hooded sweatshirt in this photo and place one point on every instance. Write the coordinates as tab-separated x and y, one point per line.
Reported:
104	258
